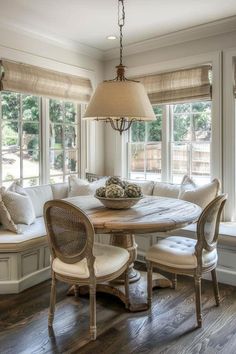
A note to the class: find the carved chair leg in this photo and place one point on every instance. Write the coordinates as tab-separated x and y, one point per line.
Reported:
52	301
215	287
197	281
149	283
92	300
174	281
127	288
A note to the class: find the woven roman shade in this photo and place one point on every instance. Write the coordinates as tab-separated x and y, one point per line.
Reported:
34	80
178	86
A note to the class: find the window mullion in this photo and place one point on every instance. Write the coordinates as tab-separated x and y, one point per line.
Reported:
20	132
45	163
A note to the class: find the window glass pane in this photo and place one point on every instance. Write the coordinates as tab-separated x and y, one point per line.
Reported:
30	108
10	105
180	158
10	135
30	136
56	179
153	161
56	136
182	127
137	159
202	126
70	136
138	132
30	163
71	160
56	162
182	108
70	112
34	181
201	162
56	111
154	129
10	165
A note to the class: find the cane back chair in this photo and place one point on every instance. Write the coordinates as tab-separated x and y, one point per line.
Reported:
182	255
76	259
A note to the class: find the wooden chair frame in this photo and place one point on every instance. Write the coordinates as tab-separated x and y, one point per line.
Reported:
87	253
202	244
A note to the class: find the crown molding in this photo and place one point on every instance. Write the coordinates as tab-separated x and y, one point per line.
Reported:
54	40
193	33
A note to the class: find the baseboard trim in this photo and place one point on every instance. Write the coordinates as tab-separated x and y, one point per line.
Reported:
16	286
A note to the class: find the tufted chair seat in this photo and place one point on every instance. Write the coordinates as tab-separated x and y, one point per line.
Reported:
179	252
108	259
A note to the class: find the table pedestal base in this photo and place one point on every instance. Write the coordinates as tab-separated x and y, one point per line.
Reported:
138	290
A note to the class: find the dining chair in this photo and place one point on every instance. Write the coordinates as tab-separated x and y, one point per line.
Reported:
76	259
183	255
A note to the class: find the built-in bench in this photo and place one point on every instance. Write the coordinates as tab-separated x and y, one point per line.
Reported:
25	258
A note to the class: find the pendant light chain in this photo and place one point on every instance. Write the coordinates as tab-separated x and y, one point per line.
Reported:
121	22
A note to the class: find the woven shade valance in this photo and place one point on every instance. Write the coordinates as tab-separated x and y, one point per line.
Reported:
178	86
34	80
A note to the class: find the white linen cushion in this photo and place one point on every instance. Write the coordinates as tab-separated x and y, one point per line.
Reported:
178	252
39	195
202	195
59	190
78	186
146	186
37	229
162	189
109	259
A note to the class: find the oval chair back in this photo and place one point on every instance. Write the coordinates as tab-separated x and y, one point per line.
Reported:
70	232
208	226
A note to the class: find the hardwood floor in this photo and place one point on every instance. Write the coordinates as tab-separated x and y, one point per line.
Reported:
169	328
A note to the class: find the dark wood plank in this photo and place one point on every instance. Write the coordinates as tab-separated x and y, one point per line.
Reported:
169	327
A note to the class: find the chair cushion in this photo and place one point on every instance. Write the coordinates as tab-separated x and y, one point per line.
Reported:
109	259
178	252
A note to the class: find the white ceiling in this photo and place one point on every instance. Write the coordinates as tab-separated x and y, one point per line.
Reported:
90	21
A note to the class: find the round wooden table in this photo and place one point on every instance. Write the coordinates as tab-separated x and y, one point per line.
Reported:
150	214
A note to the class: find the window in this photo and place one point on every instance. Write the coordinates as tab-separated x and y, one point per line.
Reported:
20	138
187	138
26	139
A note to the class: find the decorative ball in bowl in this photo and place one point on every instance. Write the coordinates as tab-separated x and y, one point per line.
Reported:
118	194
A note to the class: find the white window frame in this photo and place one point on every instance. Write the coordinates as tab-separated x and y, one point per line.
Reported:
44	138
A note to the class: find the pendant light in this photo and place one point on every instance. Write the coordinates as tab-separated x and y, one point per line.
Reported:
120	101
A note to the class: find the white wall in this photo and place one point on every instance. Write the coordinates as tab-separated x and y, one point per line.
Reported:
56	56
179	55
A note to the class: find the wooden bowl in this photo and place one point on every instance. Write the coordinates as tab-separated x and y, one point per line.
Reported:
118	203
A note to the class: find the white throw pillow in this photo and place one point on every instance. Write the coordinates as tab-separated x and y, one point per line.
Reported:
15	209
202	195
169	190
39	195
78	186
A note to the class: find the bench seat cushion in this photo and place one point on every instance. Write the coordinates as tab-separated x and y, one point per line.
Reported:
37	229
